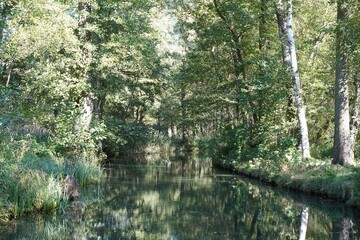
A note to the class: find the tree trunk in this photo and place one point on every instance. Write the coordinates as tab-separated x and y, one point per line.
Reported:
262	49
84	121
183	105
215	63
343	152
262	29
297	84
185	131
5	9
99	104
290	114
282	32
9	72
354	123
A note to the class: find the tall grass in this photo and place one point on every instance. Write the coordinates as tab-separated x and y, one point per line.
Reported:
32	169
87	172
34	183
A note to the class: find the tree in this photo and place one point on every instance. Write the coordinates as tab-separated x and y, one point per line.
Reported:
84	121
290	59
6	12
343	152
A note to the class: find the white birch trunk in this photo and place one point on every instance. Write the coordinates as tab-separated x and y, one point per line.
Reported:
297	85
282	32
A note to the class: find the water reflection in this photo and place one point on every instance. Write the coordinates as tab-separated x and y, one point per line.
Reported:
187	199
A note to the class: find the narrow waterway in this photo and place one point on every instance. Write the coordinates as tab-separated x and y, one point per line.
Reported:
188	199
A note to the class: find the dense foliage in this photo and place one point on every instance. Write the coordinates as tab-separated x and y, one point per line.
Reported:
80	78
237	87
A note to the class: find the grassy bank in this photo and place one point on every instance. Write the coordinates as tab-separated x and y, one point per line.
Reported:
310	176
34	184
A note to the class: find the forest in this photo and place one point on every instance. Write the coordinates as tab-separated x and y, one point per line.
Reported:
268	89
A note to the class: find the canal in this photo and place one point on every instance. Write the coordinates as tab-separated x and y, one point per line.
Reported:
186	198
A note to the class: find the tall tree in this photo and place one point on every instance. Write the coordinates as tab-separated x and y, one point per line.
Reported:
290	59
297	84
343	152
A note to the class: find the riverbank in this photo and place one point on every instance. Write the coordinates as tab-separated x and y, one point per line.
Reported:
313	176
35	184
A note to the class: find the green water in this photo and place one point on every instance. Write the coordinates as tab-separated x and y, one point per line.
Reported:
188	199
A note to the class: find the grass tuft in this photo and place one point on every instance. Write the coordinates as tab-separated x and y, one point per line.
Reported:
35	183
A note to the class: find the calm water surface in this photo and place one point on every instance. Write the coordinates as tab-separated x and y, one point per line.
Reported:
187	199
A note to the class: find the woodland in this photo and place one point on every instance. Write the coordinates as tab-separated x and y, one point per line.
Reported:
267	88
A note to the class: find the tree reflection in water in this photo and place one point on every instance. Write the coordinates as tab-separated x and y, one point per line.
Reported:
187	199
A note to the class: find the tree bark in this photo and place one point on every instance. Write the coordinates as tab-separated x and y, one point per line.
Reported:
262	49
9	71
290	61
282	32
84	121
185	131
85	118
343	152
285	54
297	84
354	123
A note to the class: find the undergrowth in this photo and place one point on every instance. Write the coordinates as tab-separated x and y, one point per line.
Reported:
30	182
311	175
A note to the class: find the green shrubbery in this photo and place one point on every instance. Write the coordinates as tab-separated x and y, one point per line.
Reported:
279	162
31	174
290	171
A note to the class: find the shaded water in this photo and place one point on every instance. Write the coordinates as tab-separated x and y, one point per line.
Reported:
187	199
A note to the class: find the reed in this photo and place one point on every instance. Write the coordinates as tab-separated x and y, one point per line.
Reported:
34	183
